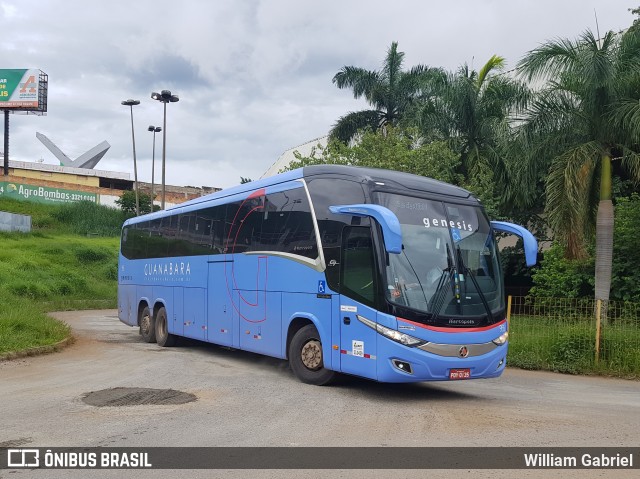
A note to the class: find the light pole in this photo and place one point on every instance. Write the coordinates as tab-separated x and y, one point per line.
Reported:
165	97
154	129
130	103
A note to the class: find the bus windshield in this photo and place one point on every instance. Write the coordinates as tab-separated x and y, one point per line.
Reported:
448	267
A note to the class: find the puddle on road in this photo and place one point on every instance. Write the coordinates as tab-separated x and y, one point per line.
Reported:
118	397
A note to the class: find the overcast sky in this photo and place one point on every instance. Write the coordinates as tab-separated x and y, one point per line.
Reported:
253	77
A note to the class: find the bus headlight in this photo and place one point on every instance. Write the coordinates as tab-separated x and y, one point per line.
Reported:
392	334
500	340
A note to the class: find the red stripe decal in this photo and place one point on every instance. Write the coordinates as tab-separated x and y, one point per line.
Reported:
257	194
343	351
452	330
367	356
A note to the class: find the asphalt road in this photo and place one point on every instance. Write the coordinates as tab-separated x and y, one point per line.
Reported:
245	399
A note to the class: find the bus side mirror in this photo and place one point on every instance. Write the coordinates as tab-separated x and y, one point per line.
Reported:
387	220
530	243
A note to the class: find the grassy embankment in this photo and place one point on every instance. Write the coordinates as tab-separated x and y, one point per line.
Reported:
68	261
569	346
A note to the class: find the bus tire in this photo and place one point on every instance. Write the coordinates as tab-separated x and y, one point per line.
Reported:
305	357
147	326
163	337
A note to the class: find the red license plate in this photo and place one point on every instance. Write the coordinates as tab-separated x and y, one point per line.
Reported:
455	374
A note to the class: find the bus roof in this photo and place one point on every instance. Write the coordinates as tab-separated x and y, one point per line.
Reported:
389	178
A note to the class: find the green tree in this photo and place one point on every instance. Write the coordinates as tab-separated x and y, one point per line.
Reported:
625	284
472	110
244	180
390	91
127	202
398	149
585	115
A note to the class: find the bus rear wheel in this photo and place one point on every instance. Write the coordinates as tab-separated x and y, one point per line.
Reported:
163	337
147	326
305	357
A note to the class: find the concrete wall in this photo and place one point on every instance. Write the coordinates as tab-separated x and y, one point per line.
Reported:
49	176
13	222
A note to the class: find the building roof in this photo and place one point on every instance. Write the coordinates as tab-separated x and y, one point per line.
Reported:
24	165
287	157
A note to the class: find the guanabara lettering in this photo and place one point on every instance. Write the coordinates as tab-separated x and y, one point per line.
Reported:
170	269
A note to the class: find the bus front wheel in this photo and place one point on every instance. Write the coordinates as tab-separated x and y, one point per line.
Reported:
163	336
147	326
305	357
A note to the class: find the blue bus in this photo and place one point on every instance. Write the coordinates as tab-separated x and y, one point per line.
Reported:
374	273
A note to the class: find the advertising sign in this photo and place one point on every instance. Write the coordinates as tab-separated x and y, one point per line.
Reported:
43	194
19	88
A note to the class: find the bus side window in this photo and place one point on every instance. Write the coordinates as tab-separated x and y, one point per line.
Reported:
127	242
287	224
215	217
324	193
156	243
358	265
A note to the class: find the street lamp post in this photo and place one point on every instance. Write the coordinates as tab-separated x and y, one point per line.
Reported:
165	97
154	129
130	103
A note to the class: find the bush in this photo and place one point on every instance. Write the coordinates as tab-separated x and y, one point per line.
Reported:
625	281
559	277
573	352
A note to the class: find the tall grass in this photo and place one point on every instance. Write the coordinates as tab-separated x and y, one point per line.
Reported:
82	218
69	261
561	335
89	218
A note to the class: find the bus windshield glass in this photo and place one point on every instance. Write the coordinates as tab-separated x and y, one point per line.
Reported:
448	267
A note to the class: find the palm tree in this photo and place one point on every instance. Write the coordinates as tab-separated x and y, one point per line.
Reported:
390	91
472	110
585	116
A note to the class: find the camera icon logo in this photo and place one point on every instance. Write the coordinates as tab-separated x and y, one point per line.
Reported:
23	458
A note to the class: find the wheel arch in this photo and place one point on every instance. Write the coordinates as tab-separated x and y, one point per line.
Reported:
141	305
157	305
300	320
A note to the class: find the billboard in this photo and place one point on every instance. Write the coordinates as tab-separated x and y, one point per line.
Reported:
43	194
23	89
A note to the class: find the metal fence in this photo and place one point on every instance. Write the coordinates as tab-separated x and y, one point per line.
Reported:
574	335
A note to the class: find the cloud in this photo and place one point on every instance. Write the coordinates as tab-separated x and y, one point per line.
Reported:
254	77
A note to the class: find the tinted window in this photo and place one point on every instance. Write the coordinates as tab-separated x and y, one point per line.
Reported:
287	225
278	222
358	270
327	192
244	220
157	244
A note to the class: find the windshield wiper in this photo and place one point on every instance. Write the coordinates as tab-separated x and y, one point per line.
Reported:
415	274
471	275
439	294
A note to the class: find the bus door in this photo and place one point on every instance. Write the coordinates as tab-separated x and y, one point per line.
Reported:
357	300
220	310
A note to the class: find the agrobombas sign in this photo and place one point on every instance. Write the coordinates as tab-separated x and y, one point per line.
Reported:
22	89
42	194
